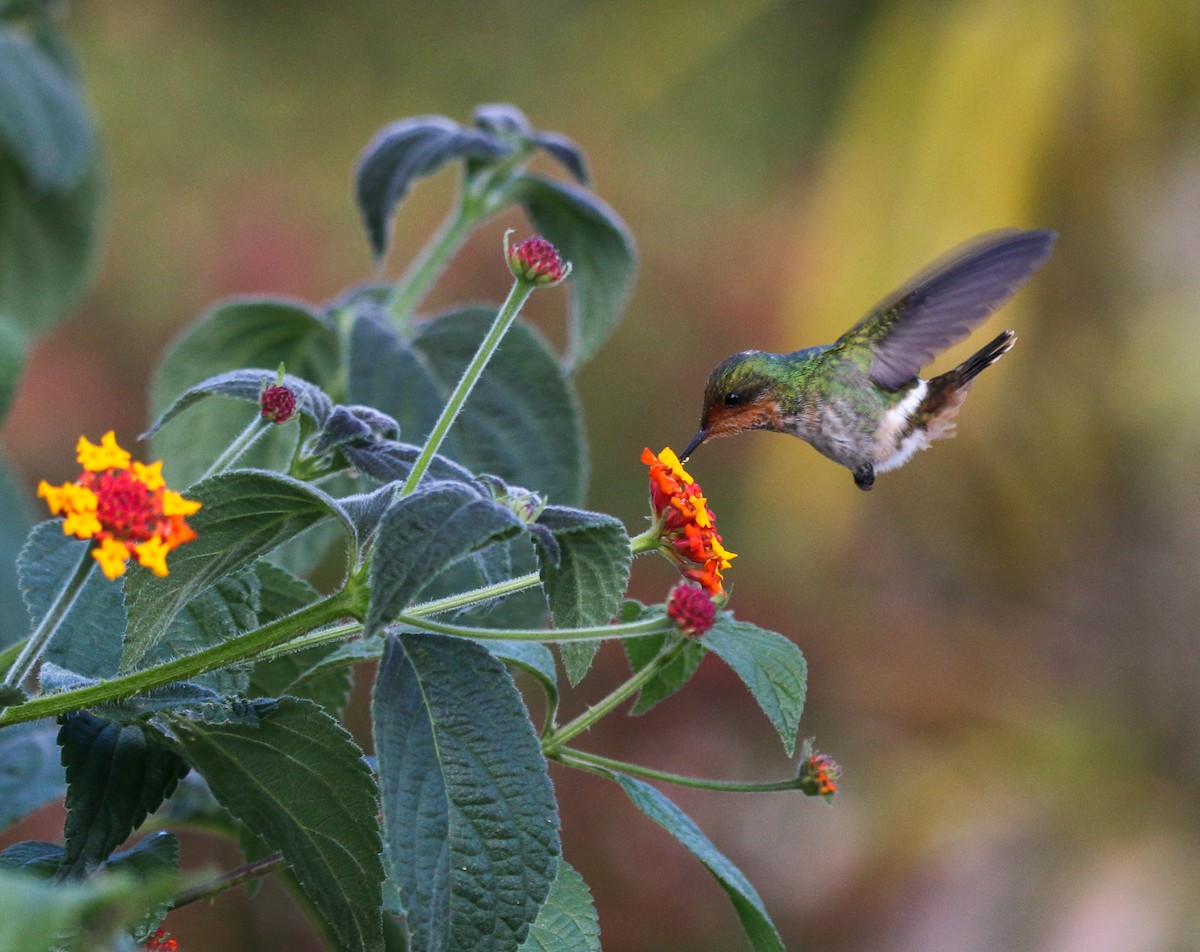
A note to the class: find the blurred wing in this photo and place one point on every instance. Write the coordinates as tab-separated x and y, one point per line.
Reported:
945	302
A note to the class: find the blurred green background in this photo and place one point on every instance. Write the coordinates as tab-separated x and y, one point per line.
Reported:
1002	636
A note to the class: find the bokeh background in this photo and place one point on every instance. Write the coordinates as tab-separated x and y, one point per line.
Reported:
1002	636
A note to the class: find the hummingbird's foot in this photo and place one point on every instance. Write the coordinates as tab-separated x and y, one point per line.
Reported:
864	477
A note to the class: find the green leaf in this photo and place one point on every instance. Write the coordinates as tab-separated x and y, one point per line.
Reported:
584	585
30	773
47	241
233	335
469	813
33	857
771	666
116	776
298	780
404	151
746	902
301	673
14	345
16	518
245	514
641	651
86	641
567	922
423	533
43	123
522	421
155	857
247	386
36	916
603	259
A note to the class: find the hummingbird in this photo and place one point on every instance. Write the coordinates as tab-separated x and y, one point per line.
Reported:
860	401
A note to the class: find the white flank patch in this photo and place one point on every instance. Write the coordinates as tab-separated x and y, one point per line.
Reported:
892	448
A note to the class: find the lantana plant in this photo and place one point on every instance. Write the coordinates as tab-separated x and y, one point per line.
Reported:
185	671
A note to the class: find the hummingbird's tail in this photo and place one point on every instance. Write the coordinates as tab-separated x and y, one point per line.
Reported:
947	391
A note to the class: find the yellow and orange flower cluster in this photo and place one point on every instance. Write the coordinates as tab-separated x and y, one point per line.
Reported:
819	774
123	505
687	527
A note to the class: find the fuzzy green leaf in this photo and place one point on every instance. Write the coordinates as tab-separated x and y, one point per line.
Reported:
300	782
43	123
30	772
35	857
585	584
47	242
16	519
771	666
603	258
245	514
404	151
469	813
568	921
421	535
641	651
522	421
233	335
746	902
86	640
116	776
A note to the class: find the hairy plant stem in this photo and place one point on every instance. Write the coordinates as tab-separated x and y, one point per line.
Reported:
35	645
229	880
553	742
571	757
430	262
254	431
346	601
504	317
636	629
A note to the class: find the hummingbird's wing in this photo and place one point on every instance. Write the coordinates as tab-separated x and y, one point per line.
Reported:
945	302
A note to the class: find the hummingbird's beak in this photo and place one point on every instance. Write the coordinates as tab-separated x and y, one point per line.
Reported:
696	441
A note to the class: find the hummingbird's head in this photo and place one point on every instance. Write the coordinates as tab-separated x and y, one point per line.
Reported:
742	393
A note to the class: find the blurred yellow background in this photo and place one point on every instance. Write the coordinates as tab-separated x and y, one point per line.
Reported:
1002	637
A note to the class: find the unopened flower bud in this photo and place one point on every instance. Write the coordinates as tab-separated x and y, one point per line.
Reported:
278	404
692	609
819	774
535	260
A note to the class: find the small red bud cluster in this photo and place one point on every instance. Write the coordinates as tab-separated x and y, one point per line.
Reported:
691	608
537	261
278	404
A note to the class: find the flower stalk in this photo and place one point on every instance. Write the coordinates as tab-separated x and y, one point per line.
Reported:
64	601
571	757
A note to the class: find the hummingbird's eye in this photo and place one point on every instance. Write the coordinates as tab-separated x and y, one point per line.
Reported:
733	398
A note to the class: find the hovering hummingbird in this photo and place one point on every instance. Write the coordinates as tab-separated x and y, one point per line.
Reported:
859	401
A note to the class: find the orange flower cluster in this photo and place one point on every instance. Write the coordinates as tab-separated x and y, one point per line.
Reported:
123	505
687	527
819	775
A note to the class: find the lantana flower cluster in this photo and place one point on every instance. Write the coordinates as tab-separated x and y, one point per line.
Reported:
123	506
687	527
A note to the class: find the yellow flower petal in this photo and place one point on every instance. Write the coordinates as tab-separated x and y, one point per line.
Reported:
108	455
153	555
174	504
668	457
151	476
112	556
55	496
82	525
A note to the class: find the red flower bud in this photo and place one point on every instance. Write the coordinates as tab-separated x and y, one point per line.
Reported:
692	609
535	260
278	404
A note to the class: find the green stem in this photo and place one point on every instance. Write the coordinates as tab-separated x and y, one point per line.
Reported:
646	541
340	603
9	655
253	432
437	606
35	646
429	263
651	626
229	880
552	743
603	765
504	318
